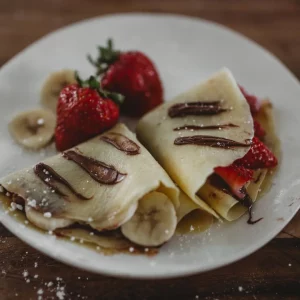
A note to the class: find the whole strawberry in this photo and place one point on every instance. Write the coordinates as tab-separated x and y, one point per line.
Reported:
133	75
83	111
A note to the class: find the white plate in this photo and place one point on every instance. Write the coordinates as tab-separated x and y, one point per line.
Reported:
186	51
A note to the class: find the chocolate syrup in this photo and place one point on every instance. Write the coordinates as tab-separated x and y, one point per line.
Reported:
210	127
121	142
220	184
13	196
98	170
211	141
247	202
50	177
195	109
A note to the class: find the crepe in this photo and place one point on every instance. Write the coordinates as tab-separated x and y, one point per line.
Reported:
179	132
190	217
98	183
226	205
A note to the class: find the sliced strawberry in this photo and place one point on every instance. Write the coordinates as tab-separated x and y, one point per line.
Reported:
236	177
259	156
258	130
252	101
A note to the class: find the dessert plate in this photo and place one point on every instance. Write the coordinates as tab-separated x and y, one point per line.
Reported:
186	51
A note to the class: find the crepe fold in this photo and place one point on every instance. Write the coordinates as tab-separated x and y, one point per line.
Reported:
98	183
226	205
175	138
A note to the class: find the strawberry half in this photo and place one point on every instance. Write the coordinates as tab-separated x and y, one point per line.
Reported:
133	75
259	156
252	101
258	130
236	177
83	111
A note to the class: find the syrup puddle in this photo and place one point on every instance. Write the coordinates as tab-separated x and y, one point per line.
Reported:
107	243
195	222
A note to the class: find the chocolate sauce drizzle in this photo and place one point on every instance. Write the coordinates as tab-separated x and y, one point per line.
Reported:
195	109
211	141
220	184
16	198
210	127
247	202
98	170
121	142
50	178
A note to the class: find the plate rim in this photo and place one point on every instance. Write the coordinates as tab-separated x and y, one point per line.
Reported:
138	273
193	270
150	14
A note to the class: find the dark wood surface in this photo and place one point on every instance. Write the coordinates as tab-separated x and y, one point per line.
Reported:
271	273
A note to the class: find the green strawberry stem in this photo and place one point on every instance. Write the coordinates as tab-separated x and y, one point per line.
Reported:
93	83
106	56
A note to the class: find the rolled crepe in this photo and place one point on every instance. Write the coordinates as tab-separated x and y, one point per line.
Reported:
98	183
206	127
265	117
226	205
190	216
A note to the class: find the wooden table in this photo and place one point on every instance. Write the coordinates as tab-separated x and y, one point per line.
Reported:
271	273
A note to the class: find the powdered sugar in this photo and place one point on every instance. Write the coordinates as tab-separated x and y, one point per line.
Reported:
60	294
25	273
47	215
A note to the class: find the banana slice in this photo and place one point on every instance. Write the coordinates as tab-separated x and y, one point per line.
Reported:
53	85
153	223
115	221
45	221
33	129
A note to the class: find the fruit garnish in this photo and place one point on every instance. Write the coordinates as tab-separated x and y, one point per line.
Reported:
252	100
33	129
94	84
53	85
154	221
133	75
236	177
258	130
259	156
84	110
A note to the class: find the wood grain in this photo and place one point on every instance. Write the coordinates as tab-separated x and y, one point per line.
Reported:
272	23
271	273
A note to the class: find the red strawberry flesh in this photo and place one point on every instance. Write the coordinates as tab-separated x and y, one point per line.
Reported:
252	101
258	130
259	156
236	177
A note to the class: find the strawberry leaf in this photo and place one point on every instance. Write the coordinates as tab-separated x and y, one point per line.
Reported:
106	56
94	84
